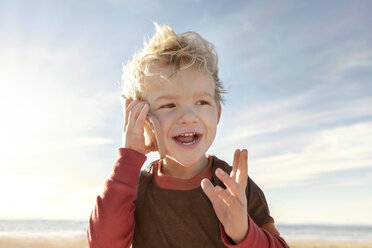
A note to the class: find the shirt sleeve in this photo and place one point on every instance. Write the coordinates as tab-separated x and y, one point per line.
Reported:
258	208
256	237
111	222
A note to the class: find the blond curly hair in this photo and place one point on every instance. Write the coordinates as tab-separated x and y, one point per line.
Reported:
178	52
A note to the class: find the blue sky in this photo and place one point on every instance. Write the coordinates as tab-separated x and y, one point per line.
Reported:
300	96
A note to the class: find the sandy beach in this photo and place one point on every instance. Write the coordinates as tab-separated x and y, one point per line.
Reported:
11	242
326	244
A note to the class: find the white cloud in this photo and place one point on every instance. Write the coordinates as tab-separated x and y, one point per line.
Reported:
288	114
337	149
346	62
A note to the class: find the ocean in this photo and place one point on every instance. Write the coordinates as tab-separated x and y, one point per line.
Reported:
43	228
350	233
66	228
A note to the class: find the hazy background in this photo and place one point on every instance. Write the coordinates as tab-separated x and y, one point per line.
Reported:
300	100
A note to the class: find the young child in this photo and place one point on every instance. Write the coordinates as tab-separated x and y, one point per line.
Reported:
172	104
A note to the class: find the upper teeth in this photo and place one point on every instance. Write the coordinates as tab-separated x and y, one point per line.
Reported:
188	134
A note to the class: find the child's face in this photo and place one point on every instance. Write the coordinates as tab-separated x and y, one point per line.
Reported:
187	114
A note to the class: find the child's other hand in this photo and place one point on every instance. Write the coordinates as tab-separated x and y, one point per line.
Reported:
230	204
135	115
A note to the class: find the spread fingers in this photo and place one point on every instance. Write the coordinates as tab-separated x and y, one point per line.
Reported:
234	187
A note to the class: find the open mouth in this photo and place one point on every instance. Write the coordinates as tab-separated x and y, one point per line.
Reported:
187	139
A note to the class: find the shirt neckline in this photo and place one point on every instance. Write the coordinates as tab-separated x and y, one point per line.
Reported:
173	183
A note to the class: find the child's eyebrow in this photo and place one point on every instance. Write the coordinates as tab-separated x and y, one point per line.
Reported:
166	97
205	94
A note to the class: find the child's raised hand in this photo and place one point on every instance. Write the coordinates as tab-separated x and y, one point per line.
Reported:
230	204
135	115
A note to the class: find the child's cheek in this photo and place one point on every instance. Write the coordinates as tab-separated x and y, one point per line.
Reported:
164	120
211	115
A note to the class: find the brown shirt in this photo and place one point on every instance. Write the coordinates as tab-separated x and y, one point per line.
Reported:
167	215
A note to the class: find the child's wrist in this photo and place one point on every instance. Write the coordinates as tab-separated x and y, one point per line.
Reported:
134	149
129	145
241	237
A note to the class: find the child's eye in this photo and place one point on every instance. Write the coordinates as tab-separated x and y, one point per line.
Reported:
169	105
202	102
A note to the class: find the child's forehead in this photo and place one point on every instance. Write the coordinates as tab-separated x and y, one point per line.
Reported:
191	80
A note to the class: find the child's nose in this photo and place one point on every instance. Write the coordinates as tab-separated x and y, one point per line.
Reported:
187	116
